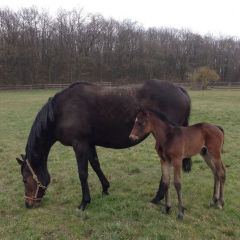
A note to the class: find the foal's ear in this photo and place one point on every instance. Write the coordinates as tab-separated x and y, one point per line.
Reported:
20	161
140	108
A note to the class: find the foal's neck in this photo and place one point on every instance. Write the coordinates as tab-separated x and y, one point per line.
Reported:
160	129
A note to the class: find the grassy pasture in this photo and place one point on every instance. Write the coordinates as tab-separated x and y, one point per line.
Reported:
134	177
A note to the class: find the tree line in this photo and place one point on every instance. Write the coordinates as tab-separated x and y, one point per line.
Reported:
36	47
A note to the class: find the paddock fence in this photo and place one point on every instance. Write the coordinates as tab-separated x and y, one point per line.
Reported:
215	85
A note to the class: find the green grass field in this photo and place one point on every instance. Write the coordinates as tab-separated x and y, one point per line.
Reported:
134	177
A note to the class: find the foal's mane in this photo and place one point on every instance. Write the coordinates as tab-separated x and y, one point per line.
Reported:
161	116
40	125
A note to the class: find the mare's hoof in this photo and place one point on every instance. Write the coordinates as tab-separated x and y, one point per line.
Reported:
83	205
155	201
105	192
187	164
105	189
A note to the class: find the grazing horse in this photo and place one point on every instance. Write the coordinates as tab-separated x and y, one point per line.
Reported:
87	115
173	143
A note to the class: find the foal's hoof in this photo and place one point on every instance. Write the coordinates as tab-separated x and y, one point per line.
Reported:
167	208
215	203
83	205
155	201
220	204
180	216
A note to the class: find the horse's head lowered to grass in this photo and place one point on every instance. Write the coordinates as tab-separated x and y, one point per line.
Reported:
35	184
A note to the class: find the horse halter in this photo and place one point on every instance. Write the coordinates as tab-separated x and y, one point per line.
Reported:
39	184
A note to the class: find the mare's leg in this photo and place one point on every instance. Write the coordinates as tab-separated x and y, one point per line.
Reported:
177	165
187	164
97	168
164	182
82	152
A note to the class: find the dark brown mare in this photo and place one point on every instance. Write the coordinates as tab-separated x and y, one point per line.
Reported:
87	115
173	143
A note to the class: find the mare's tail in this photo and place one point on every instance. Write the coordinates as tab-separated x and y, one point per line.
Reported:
187	162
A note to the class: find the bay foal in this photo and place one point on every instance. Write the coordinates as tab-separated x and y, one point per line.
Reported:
174	143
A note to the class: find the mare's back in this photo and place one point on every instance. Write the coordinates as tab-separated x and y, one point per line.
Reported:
103	114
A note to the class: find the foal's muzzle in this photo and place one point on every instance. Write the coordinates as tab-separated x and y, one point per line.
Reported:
133	137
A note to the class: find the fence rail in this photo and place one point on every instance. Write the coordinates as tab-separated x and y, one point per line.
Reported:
45	86
216	85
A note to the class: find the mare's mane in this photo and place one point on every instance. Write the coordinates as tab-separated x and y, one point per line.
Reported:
39	128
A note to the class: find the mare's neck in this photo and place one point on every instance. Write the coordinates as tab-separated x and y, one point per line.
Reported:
37	155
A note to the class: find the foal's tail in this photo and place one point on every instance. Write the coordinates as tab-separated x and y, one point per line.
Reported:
222	130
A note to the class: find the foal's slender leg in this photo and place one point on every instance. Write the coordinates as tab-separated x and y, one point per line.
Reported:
82	152
216	189
96	167
177	165
222	182
164	182
213	159
209	160
220	173
167	201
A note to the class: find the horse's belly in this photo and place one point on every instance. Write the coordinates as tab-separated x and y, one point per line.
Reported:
115	140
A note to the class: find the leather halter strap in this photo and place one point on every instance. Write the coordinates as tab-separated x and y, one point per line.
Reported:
39	184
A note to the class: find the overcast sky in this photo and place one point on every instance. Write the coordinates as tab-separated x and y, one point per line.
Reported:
217	17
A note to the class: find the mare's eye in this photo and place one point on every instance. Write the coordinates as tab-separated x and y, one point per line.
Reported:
24	181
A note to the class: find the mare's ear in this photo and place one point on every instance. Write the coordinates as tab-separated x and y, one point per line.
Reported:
20	161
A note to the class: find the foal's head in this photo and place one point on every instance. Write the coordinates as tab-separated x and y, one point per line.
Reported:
141	125
35	187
